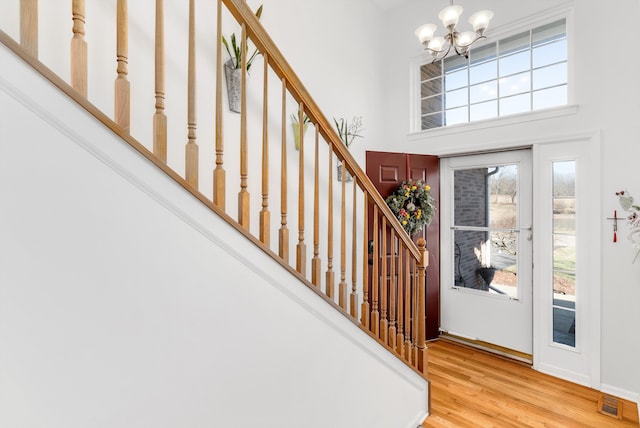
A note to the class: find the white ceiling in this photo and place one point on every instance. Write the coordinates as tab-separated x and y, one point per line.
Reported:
389	4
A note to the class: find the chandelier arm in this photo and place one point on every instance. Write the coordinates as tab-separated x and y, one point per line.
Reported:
476	39
438	57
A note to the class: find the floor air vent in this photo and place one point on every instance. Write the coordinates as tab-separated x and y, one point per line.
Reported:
610	406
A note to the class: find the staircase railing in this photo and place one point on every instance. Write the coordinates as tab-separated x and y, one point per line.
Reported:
381	272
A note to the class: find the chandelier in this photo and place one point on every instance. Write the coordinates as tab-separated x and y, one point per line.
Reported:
439	47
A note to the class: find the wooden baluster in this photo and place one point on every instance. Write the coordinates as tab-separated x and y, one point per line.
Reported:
79	73
159	117
283	241
400	294
384	322
392	292
342	288
407	305
29	26
366	314
421	292
330	275
122	87
301	248
315	263
191	149
219	175
354	253
243	195
265	215
375	314
414	314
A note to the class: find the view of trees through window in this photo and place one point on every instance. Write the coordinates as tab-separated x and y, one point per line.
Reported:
564	252
486	229
524	72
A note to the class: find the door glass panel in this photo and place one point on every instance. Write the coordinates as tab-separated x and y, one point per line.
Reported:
486	230
564	253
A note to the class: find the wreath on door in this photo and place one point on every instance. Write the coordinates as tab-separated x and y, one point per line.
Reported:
413	205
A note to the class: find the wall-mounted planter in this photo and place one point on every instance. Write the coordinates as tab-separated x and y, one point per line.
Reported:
233	77
296	133
347	178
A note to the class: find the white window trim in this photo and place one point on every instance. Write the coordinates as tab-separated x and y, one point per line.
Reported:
550	357
564	11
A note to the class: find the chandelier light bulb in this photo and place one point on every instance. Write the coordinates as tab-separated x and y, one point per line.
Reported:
450	15
436	44
480	20
425	33
466	38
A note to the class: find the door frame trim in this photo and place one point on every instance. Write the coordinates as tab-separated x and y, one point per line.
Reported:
591	270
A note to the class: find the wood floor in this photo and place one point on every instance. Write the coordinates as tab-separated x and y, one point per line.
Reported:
471	388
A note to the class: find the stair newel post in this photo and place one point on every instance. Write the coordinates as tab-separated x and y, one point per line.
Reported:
29	26
283	241
330	275
159	117
79	67
400	297
342	288
375	314
243	195
407	306
301	248
384	322
315	263
191	149
366	309
265	215
219	175
414	314
392	292
354	252
421	291
122	86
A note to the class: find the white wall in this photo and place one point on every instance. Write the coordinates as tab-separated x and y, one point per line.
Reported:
125	302
606	90
346	56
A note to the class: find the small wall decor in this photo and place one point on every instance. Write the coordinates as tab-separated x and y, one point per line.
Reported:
233	67
633	220
348	132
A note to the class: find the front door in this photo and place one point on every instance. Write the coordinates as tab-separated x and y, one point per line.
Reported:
386	171
486	249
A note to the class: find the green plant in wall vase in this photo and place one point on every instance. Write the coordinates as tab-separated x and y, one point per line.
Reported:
233	67
348	132
296	128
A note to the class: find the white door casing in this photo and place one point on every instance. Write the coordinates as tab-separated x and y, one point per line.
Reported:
579	364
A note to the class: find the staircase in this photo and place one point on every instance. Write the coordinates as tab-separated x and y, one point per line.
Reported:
129	283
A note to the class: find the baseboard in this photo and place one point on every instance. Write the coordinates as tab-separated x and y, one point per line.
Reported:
622	393
558	372
488	347
418	420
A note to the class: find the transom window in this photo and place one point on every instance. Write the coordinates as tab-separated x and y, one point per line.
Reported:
524	72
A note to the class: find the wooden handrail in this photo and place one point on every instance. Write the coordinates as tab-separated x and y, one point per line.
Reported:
258	35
